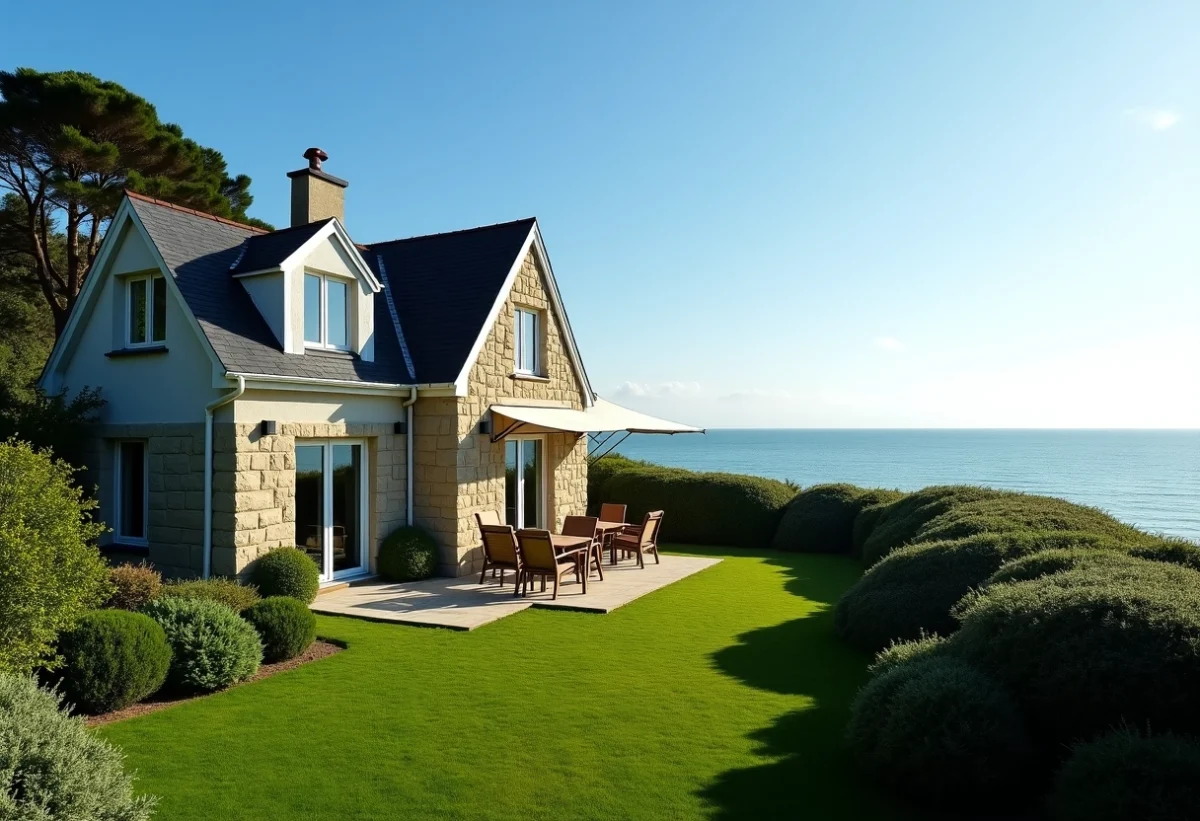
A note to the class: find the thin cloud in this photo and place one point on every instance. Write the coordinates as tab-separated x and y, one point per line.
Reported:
888	343
754	395
660	389
1156	119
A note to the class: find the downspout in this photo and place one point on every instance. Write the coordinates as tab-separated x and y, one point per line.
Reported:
208	466
408	456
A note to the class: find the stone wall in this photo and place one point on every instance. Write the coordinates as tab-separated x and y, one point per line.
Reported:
459	471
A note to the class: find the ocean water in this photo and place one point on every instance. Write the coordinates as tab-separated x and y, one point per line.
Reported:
1147	478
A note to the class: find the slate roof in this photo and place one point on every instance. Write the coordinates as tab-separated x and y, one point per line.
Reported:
442	288
269	250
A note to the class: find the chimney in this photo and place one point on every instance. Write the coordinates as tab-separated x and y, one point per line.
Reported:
315	194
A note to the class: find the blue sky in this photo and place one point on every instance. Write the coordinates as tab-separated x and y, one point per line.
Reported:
761	214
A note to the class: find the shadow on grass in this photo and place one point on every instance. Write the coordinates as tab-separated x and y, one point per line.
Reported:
809	773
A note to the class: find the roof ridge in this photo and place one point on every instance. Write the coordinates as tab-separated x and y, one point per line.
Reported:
185	210
448	233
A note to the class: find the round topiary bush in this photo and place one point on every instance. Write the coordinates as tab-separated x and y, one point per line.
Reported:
901	652
286	571
286	626
237	597
899	522
1005	511
1055	561
211	646
864	524
407	554
913	590
1087	649
821	518
52	768
111	659
1124	775
134	585
1174	551
940	732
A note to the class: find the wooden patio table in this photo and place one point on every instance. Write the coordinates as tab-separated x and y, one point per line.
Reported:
607	530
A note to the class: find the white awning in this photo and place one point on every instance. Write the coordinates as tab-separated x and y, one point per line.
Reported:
602	416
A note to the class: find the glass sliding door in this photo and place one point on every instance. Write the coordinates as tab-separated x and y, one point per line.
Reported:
331	510
524	489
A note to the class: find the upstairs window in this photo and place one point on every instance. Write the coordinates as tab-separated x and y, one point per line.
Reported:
527	333
326	312
147	311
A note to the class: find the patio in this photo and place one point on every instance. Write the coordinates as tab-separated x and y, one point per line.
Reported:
464	604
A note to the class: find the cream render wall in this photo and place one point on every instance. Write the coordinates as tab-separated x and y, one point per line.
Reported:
458	471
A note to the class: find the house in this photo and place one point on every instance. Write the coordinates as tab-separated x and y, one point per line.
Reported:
294	387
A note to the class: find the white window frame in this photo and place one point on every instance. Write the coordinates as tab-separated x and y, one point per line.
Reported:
329	575
149	341
118	502
323	343
543	496
520	317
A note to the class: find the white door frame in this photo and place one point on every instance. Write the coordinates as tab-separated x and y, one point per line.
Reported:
520	507
327	445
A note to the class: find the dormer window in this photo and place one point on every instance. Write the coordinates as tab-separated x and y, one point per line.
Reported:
326	312
146	310
528	344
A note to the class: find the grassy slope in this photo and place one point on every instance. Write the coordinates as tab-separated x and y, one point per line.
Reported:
723	695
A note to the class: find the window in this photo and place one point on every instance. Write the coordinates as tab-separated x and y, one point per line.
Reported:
528	341
131	492
326	312
147	311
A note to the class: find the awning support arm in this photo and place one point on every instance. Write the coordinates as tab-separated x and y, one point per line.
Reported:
592	458
496	437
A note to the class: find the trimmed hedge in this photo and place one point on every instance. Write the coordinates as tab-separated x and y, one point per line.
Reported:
701	508
1174	551
940	732
1087	649
408	554
1056	561
821	518
134	586
1125	775
865	523
212	647
113	658
899	522
1004	511
53	769
285	625
286	571
913	590
901	652
237	597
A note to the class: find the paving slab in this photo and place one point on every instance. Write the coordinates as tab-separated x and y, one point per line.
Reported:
463	604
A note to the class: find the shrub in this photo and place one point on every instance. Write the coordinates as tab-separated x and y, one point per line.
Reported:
113	658
900	521
1056	561
821	518
286	626
1004	511
51	573
212	647
52	768
939	731
133	586
407	554
864	524
1083	650
702	508
286	571
1174	551
237	597
1124	775
913	590
900	652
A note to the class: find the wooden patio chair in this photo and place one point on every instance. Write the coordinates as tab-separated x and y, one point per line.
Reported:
586	526
500	552
642	542
610	512
487	517
539	558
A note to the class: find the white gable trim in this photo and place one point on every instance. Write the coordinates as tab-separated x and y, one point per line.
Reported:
534	241
332	229
91	290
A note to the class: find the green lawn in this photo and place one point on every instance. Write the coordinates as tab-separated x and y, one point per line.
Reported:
723	695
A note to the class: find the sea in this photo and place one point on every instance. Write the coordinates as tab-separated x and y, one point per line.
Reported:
1146	478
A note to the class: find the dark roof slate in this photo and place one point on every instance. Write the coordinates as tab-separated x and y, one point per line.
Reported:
264	251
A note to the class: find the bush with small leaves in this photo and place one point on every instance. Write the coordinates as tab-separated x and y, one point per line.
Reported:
134	586
286	626
821	518
286	571
52	768
1056	561
113	658
1174	551
212	647
900	652
237	597
1125	775
940	732
408	554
